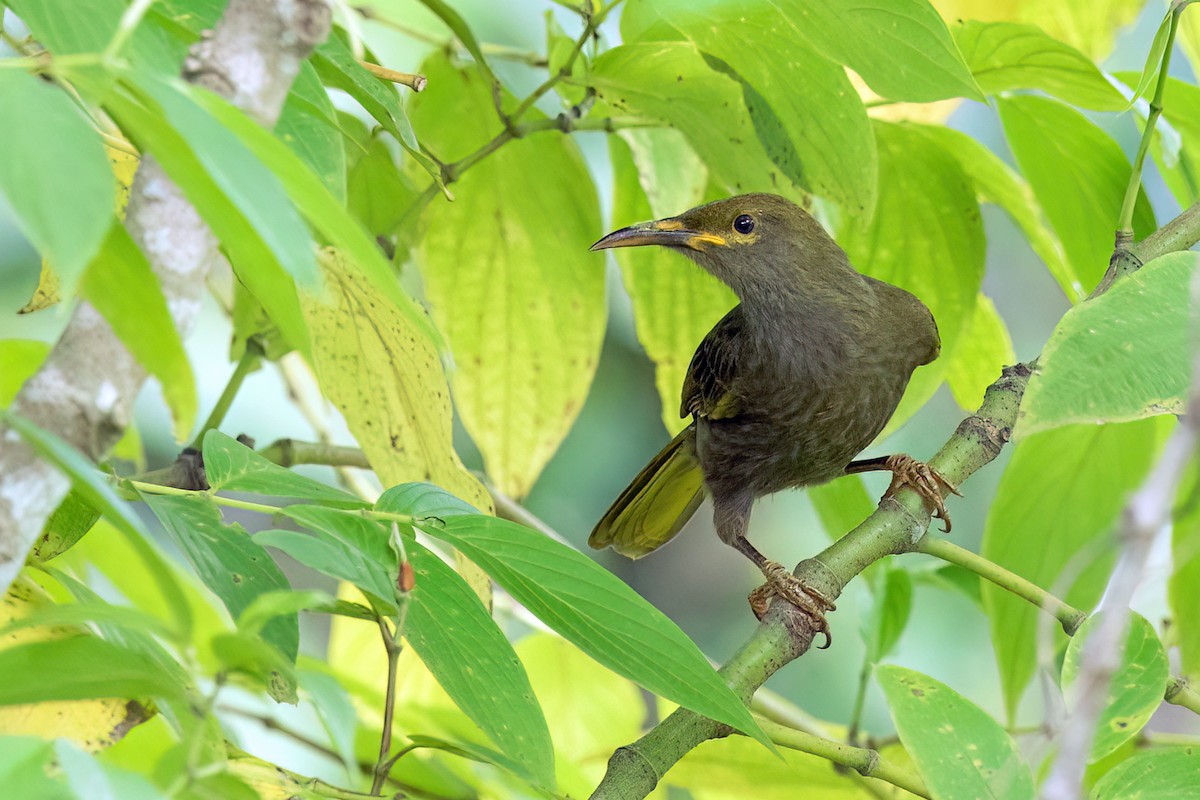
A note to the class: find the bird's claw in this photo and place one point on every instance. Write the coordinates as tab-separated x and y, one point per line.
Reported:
927	481
783	584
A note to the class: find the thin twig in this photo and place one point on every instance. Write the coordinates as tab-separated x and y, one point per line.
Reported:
392	646
246	364
1125	221
868	763
416	82
1070	617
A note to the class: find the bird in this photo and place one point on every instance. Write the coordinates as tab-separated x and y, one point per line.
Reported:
792	384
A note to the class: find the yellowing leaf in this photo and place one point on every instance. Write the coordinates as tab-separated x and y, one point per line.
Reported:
91	724
124	165
510	279
1087	25
385	378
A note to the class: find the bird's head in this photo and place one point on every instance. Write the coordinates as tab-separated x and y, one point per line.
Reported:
747	241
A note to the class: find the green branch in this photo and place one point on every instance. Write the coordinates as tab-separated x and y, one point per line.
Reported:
1069	617
868	763
1125	221
897	526
246	364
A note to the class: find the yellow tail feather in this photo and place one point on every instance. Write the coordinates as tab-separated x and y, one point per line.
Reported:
661	499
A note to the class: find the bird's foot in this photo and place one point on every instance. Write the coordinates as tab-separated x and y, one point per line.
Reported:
927	481
783	584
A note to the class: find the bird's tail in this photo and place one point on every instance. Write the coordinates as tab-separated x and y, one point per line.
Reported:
661	499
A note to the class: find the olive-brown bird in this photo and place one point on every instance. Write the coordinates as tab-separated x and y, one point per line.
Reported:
785	391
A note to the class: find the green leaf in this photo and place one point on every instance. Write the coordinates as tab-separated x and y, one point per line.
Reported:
459	642
345	546
231	189
995	182
888	617
338	68
1137	686
23	769
1125	355
258	658
598	613
1183	586
901	48
458	26
959	749
234	566
736	769
1006	55
516	389
385	378
69	523
270	605
79	668
308	125
627	80
231	466
1089	25
327	216
1079	175
1176	144
1152	775
54	174
674	303
804	110
841	505
379	193
423	500
1055	505
92	487
120	283
927	237
985	349
1155	56
90	27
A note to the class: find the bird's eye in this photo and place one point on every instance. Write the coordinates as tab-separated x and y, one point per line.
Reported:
744	223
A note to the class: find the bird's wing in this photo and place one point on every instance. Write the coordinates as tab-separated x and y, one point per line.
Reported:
709	390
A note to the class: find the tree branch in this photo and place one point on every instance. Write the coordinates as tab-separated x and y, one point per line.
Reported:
896	527
85	389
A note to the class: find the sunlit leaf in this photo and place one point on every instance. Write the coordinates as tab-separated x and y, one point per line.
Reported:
675	303
1079	175
983	352
1088	25
1057	500
959	749
627	79
385	377
996	182
803	108
503	264
1005	56
1125	355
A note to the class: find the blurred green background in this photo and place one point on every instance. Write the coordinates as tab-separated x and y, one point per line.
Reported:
697	580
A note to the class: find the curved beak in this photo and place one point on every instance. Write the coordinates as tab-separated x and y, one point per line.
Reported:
664	232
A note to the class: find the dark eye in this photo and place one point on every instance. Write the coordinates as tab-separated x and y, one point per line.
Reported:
744	223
